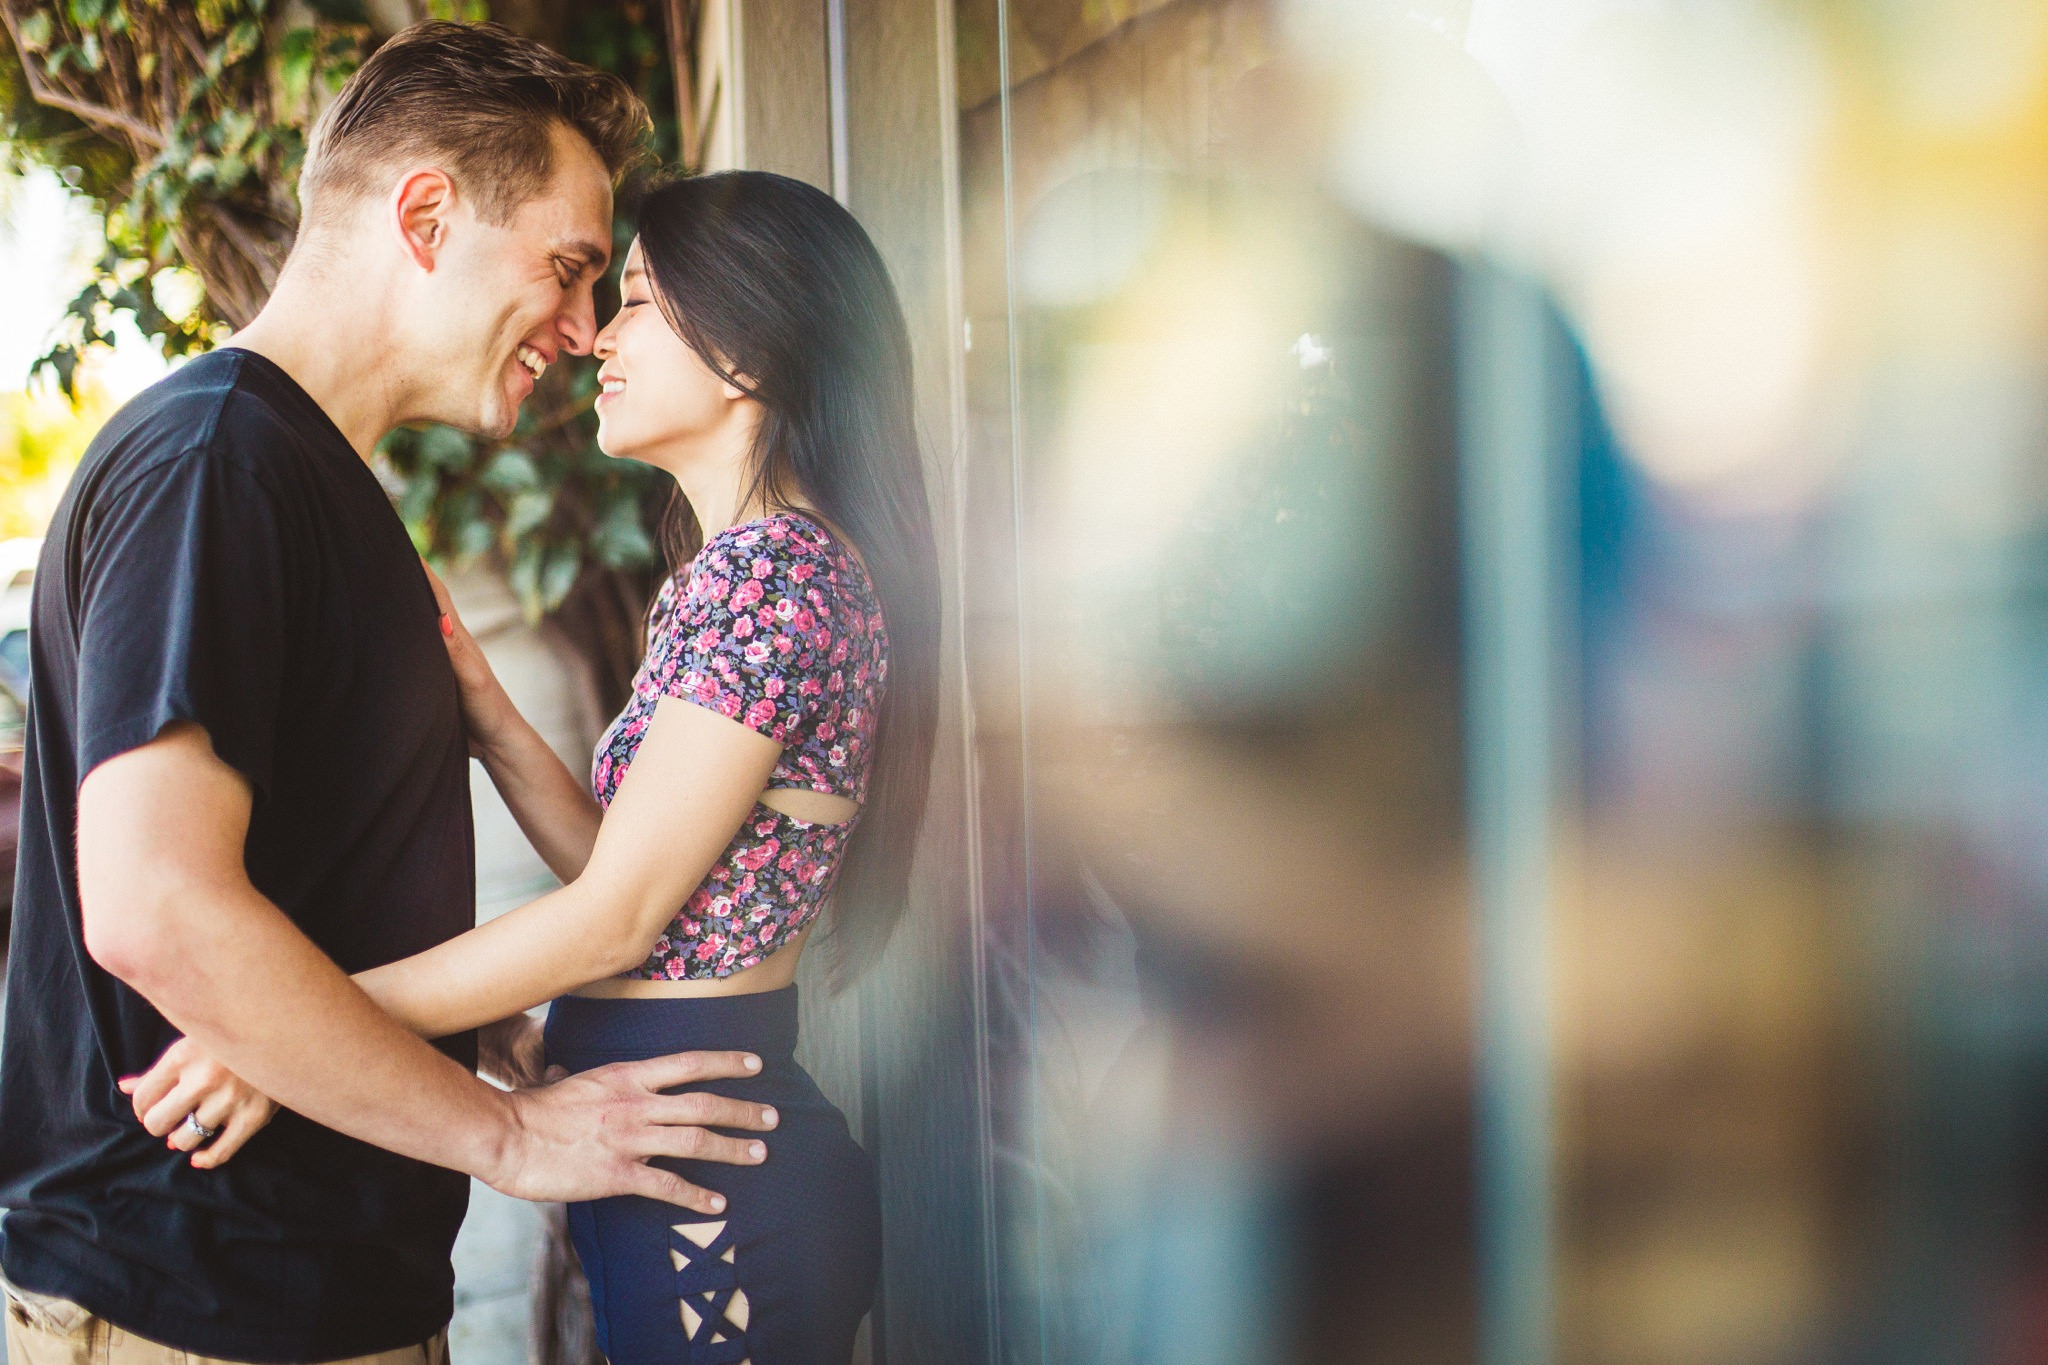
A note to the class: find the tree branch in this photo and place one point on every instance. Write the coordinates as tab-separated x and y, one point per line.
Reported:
51	98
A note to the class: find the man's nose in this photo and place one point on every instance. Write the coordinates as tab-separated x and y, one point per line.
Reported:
578	326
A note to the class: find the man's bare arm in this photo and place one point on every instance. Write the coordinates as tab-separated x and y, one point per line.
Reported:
168	908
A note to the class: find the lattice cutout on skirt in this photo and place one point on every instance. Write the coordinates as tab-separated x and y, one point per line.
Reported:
714	1307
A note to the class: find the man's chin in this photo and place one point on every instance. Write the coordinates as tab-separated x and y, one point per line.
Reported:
497	421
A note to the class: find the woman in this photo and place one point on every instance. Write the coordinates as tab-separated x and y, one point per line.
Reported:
774	753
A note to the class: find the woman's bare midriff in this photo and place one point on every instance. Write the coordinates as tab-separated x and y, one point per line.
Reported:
779	969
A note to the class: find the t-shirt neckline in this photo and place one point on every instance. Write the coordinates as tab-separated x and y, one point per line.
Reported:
296	392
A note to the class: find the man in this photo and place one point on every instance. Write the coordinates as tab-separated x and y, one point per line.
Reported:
243	708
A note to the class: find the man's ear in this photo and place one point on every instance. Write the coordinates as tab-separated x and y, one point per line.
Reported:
422	206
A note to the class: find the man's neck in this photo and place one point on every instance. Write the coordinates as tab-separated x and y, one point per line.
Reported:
335	354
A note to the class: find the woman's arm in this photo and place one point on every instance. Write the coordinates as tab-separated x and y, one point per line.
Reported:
694	780
554	809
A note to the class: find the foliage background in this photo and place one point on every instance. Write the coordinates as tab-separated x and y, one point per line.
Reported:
185	124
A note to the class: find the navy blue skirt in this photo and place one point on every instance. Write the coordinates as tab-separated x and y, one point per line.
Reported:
785	1275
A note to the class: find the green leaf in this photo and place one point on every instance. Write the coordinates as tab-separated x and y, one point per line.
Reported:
233	130
35	31
527	511
295	63
562	567
86	13
341	11
446	448
524	577
64	360
511	471
621	540
473	538
418	499
241	41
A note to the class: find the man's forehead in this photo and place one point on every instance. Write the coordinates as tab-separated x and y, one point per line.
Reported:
573	214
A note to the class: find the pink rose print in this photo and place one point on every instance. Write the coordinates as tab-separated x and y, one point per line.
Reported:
770	609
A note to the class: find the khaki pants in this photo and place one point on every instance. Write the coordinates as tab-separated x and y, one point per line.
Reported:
46	1331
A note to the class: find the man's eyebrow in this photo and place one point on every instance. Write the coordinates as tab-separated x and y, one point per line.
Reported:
594	257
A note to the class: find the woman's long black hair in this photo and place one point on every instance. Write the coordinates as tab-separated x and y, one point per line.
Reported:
779	291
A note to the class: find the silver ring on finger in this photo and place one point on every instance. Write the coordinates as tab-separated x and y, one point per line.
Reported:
200	1130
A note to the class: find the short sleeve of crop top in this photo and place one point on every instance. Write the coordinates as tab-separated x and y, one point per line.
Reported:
775	627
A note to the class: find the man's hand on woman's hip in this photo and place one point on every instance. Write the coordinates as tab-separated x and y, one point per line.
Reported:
590	1135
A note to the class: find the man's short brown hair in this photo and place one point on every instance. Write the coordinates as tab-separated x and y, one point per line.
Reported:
477	100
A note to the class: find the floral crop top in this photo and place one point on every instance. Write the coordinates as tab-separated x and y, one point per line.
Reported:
775	625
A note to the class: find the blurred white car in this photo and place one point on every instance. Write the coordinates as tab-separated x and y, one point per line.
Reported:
17	589
17	580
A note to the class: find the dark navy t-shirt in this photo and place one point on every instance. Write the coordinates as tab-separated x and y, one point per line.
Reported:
224	557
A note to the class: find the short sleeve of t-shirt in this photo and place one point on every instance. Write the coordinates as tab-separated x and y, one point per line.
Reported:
182	614
751	639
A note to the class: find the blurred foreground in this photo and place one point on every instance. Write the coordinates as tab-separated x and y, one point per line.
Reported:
1516	720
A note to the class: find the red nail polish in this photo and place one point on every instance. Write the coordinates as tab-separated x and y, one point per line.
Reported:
447	624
